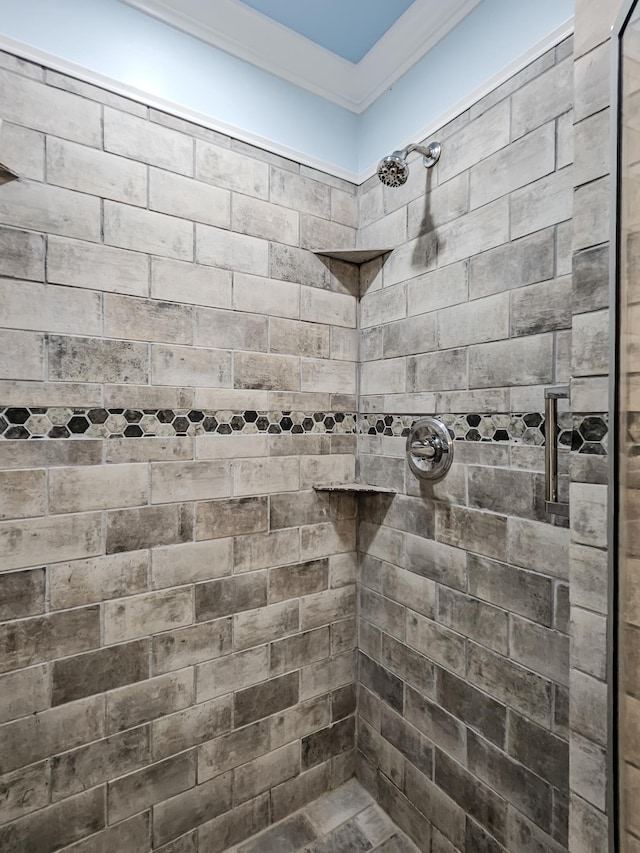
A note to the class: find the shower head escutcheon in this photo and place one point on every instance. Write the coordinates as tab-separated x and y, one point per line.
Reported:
393	169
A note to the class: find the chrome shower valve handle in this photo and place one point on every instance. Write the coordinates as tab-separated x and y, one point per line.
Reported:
429	449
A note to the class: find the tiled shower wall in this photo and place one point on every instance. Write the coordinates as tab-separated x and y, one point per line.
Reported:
176	602
464	605
178	369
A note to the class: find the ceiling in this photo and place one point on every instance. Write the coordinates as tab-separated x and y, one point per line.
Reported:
347	51
348	28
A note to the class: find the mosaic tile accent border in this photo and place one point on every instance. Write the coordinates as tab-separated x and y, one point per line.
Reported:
26	423
584	434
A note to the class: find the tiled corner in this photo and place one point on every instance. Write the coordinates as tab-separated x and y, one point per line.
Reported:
346	820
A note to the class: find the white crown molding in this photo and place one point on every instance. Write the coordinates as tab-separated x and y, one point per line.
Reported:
56	63
110	84
249	35
421	27
550	40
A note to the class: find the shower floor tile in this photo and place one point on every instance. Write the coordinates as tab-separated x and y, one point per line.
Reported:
347	820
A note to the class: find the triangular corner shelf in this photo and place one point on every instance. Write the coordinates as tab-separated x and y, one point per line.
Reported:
353	256
7	174
354	487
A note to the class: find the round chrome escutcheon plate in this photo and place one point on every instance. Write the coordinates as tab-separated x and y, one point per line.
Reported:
429	449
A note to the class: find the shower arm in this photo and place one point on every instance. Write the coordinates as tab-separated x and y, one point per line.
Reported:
430	153
421	149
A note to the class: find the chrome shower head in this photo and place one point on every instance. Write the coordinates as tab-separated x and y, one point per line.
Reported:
393	170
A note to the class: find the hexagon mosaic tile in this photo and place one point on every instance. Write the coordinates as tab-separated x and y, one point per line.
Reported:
25	423
584	433
588	434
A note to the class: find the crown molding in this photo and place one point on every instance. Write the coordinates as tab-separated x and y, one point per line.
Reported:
550	40
413	35
56	63
249	35
111	84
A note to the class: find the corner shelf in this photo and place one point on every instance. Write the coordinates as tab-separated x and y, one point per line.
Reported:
358	488
353	256
6	174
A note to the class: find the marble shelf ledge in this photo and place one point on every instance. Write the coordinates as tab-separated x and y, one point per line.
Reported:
354	487
353	256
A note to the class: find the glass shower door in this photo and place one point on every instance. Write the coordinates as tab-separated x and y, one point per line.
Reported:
626	740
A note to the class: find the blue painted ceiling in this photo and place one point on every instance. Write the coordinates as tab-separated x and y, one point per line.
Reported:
348	28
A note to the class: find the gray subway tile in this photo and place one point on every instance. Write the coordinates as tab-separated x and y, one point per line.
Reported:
542	99
230	595
96	360
147	700
40	638
382	682
173	817
285	837
440	727
416	748
98	762
23	692
540	649
265	699
298	579
324	744
233	749
216	519
520	163
438	807
468	616
98	671
235	826
519	361
32	104
526	593
25	791
405	814
436	642
478	800
347	837
263	773
131	835
508	682
473	707
191	726
510	779
299	650
60	824
192	645
36	736
143	527
21	594
409	665
539	750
